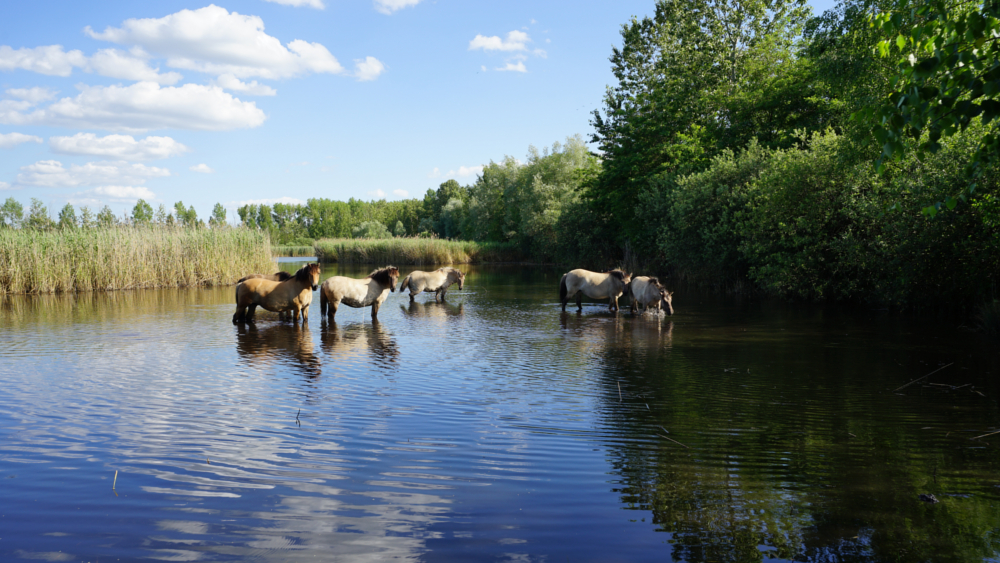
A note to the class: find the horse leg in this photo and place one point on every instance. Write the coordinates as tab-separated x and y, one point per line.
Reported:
305	314
375	311
322	301
579	301
250	312
412	293
439	296
240	315
332	311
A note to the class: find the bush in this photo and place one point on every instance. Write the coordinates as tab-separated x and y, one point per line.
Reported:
371	230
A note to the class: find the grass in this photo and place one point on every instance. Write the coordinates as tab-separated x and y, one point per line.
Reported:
411	251
292	250
103	259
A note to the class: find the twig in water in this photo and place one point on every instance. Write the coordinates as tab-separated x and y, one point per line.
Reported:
647	406
208	461
619	391
297	417
924	377
985	435
851	435
665	431
115	482
672	440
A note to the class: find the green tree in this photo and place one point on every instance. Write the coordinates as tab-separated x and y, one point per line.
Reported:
142	213
11	213
86	217
161	215
187	217
399	230
67	217
218	218
38	216
106	217
371	230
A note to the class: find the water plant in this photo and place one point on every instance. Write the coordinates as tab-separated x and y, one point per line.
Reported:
408	251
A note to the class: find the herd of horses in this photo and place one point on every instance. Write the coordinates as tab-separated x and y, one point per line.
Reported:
292	294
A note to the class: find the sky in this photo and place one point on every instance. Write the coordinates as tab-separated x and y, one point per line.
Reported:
264	101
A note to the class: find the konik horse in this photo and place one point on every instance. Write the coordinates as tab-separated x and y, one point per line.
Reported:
293	295
370	291
437	281
610	285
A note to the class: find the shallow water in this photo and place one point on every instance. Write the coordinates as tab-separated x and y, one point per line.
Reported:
491	427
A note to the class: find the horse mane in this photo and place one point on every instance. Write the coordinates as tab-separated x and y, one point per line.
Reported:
656	282
618	274
283	276
305	273
384	275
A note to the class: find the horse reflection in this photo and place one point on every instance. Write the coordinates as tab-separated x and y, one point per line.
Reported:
433	309
359	340
639	331
288	344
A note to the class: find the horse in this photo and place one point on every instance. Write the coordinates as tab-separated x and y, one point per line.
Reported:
277	277
609	285
294	295
649	292
436	281
371	290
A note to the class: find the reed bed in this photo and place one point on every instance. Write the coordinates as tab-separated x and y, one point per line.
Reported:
414	251
292	251
104	259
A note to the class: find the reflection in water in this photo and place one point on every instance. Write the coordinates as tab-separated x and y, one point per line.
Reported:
432	309
359	339
282	344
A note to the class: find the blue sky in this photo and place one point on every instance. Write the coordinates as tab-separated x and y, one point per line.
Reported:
102	103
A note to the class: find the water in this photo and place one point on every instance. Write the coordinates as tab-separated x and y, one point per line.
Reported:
491	427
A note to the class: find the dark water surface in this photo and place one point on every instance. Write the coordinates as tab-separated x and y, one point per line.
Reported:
492	427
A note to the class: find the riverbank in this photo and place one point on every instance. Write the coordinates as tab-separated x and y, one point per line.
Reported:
415	251
113	258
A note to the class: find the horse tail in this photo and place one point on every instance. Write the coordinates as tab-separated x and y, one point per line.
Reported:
406	282
563	290
322	301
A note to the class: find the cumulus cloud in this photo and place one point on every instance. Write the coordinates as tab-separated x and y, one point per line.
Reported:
377	193
387	7
436	173
400	193
515	41
10	140
215	41
143	106
124	192
121	147
269	201
515	67
203	168
253	88
115	63
50	59
368	68
31	95
464	171
52	174
318	4
4	186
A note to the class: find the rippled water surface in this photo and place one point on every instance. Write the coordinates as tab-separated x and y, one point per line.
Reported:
491	427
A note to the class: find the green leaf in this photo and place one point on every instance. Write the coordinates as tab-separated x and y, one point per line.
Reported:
900	41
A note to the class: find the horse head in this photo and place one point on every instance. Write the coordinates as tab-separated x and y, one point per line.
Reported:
309	275
461	279
666	301
386	277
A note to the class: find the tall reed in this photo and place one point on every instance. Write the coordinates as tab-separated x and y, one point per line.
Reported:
128	258
292	251
408	251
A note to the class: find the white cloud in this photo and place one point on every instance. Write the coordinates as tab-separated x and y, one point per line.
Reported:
124	192
52	174
318	4
400	193
269	201
519	67
120	64
464	171
436	173
389	6
4	186
377	193
142	106
32	95
203	168
516	41
215	41
50	59
540	53
253	88
123	147
10	140
483	68
368	68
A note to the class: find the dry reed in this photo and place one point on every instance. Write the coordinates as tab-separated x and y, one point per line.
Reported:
292	251
103	259
412	251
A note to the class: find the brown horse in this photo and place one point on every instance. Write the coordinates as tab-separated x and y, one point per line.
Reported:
277	277
292	295
649	292
436	281
610	285
370	291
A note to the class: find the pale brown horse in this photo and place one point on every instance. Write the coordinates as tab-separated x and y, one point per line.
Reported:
610	285
277	277
437	281
649	292
369	291
294	295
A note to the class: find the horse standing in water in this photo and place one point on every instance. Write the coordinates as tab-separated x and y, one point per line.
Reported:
357	293
436	281
293	295
610	285
649	292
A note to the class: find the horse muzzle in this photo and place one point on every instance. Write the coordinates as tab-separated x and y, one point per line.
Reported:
315	286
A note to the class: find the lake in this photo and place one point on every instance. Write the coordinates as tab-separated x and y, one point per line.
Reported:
144	425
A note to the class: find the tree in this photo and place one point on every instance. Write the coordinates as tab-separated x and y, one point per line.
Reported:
186	217
38	216
106	217
86	217
161	215
948	77
142	213
399	230
371	230
11	213
67	217
218	218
